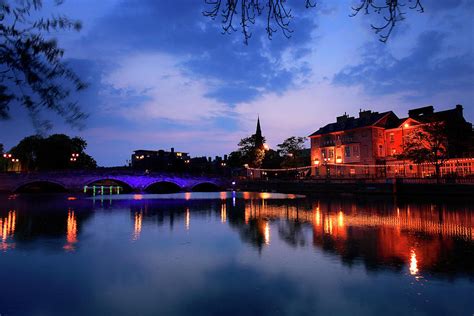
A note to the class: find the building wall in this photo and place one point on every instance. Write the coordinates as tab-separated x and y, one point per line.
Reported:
357	146
372	146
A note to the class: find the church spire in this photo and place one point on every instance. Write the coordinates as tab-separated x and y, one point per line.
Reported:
258	135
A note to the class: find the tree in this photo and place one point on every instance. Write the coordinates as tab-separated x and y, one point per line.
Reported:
251	155
278	15
3	161
248	153
291	149
272	160
427	144
32	72
57	151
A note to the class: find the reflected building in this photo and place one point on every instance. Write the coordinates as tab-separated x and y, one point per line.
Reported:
71	235
7	230
36	218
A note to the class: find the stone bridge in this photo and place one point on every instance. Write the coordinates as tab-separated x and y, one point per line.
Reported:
130	181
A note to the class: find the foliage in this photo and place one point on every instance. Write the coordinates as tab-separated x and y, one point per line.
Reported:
427	144
53	152
272	160
292	145
249	152
32	71
278	15
291	149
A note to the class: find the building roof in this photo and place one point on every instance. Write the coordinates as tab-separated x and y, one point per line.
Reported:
366	118
427	114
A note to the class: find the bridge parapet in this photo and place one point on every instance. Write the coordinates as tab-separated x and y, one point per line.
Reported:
76	180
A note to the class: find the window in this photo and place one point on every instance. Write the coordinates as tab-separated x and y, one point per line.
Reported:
355	150
323	153
347	150
331	153
380	150
392	138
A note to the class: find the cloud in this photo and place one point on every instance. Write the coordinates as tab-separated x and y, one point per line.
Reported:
154	88
235	72
428	69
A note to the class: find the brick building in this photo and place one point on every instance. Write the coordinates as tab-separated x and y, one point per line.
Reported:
368	146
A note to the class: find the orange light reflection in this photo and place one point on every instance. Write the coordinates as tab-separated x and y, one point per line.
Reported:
137	229
7	230
71	234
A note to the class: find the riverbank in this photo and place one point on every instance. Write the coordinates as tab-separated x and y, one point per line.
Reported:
393	187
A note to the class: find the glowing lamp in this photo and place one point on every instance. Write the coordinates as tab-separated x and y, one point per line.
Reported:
406	125
338	159
316	162
266	147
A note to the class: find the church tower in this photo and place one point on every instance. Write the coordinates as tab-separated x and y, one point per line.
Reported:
258	136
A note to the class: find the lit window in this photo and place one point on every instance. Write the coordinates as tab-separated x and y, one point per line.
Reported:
331	153
355	150
392	138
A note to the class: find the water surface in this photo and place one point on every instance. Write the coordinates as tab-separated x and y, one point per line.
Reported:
234	254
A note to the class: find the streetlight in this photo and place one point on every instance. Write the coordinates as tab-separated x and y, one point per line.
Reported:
406	125
74	157
326	165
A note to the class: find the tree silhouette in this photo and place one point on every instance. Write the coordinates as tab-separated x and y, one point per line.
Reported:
53	153
32	71
278	15
427	144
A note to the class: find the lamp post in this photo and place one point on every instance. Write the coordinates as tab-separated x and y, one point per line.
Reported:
326	167
406	125
316	163
74	157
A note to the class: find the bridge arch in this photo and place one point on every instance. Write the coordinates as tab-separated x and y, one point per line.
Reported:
41	186
206	187
163	186
126	187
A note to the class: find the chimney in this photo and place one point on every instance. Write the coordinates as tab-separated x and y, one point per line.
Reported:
419	112
459	109
225	157
365	114
172	150
342	119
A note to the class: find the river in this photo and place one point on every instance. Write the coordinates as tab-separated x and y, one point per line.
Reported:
231	253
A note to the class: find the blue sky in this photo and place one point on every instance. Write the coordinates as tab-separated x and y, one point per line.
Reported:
161	75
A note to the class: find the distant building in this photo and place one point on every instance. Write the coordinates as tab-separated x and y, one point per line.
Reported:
259	141
369	144
159	160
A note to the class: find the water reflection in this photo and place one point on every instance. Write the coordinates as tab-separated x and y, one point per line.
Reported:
144	240
71	232
137	225
7	230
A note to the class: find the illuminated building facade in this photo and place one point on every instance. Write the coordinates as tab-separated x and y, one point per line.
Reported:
368	146
159	160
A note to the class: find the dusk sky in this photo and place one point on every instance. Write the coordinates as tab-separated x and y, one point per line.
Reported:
162	75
